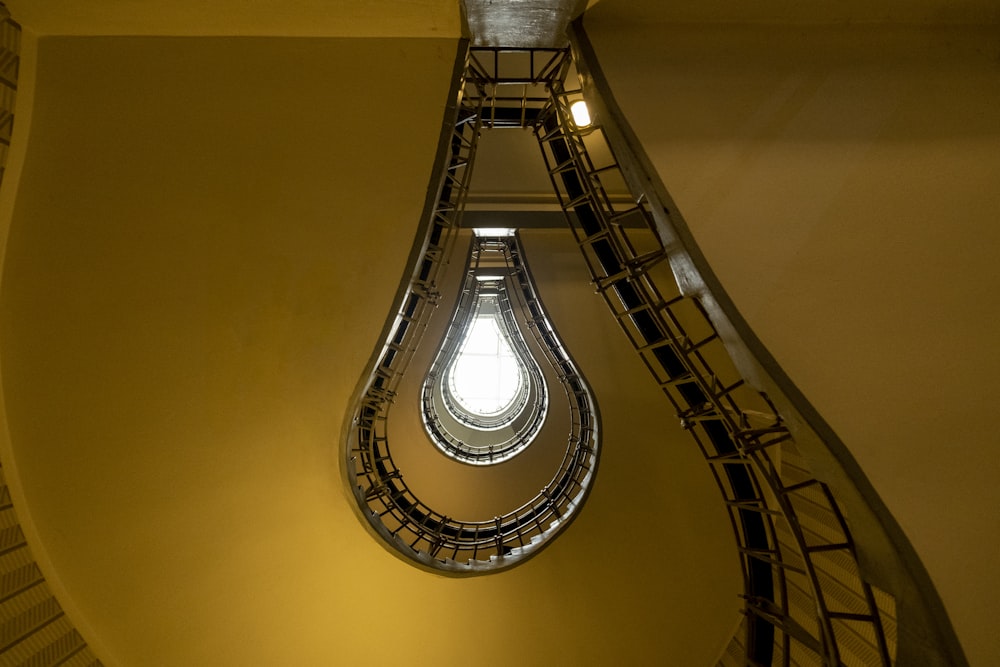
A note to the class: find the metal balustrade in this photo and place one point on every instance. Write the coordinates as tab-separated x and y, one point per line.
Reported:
10	63
442	543
34	629
805	599
386	503
805	602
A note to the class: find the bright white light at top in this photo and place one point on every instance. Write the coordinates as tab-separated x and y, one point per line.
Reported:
581	114
485	377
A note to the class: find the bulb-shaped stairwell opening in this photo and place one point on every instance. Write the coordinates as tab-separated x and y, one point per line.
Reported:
485	378
655	292
485	397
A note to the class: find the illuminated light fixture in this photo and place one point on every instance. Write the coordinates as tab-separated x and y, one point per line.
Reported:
485	397
493	231
486	376
581	114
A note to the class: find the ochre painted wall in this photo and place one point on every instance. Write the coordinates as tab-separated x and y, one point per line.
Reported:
206	241
842	182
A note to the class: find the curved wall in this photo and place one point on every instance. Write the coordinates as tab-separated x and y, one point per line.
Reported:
841	182
206	240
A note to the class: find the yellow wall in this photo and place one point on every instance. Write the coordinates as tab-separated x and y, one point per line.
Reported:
842	183
271	18
206	240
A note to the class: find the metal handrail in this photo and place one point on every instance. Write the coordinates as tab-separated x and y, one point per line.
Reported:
389	507
673	337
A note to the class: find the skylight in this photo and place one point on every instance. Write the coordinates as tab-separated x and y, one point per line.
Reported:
485	398
486	375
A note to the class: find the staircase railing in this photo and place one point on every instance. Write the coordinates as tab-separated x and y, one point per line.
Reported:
386	503
805	602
